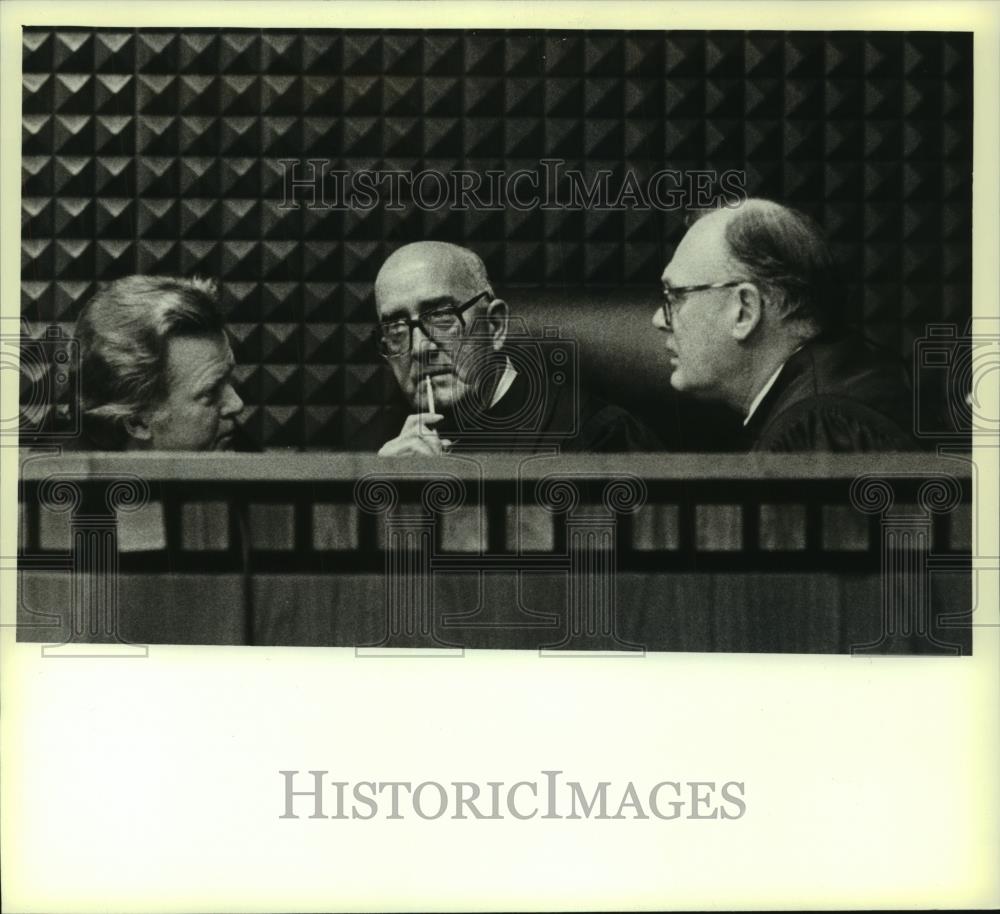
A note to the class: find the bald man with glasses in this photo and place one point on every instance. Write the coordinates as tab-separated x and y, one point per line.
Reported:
446	337
753	317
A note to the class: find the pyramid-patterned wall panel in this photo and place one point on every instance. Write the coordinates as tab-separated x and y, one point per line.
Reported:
161	151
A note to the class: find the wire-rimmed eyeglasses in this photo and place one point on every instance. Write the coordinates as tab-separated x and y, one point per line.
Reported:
672	295
395	337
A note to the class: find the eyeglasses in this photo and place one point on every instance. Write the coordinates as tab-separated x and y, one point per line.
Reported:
671	296
395	338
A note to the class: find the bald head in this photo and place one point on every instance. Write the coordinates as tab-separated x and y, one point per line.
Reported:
428	278
433	263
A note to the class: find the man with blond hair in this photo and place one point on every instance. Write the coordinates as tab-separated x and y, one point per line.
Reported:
156	367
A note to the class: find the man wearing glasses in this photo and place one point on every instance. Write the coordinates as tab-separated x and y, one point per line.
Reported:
445	336
754	318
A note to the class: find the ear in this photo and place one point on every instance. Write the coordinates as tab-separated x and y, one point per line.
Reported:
748	309
498	315
138	427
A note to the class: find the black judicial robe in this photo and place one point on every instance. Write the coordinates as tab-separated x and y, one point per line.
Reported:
522	421
835	395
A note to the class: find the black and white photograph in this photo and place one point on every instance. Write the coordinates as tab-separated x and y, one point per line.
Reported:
410	287
615	340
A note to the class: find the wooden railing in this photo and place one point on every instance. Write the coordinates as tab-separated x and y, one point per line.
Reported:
590	553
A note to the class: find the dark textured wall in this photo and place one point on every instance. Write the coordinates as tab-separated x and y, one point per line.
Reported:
158	151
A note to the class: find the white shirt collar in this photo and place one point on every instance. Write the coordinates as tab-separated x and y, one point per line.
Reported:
503	385
763	391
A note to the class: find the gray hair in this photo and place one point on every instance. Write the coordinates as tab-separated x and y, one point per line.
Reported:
788	257
123	332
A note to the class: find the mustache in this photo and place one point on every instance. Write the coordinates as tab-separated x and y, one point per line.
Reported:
433	370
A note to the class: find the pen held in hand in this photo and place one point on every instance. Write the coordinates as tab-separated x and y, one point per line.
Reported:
430	395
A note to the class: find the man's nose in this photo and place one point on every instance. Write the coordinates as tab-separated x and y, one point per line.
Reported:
231	404
422	342
659	320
